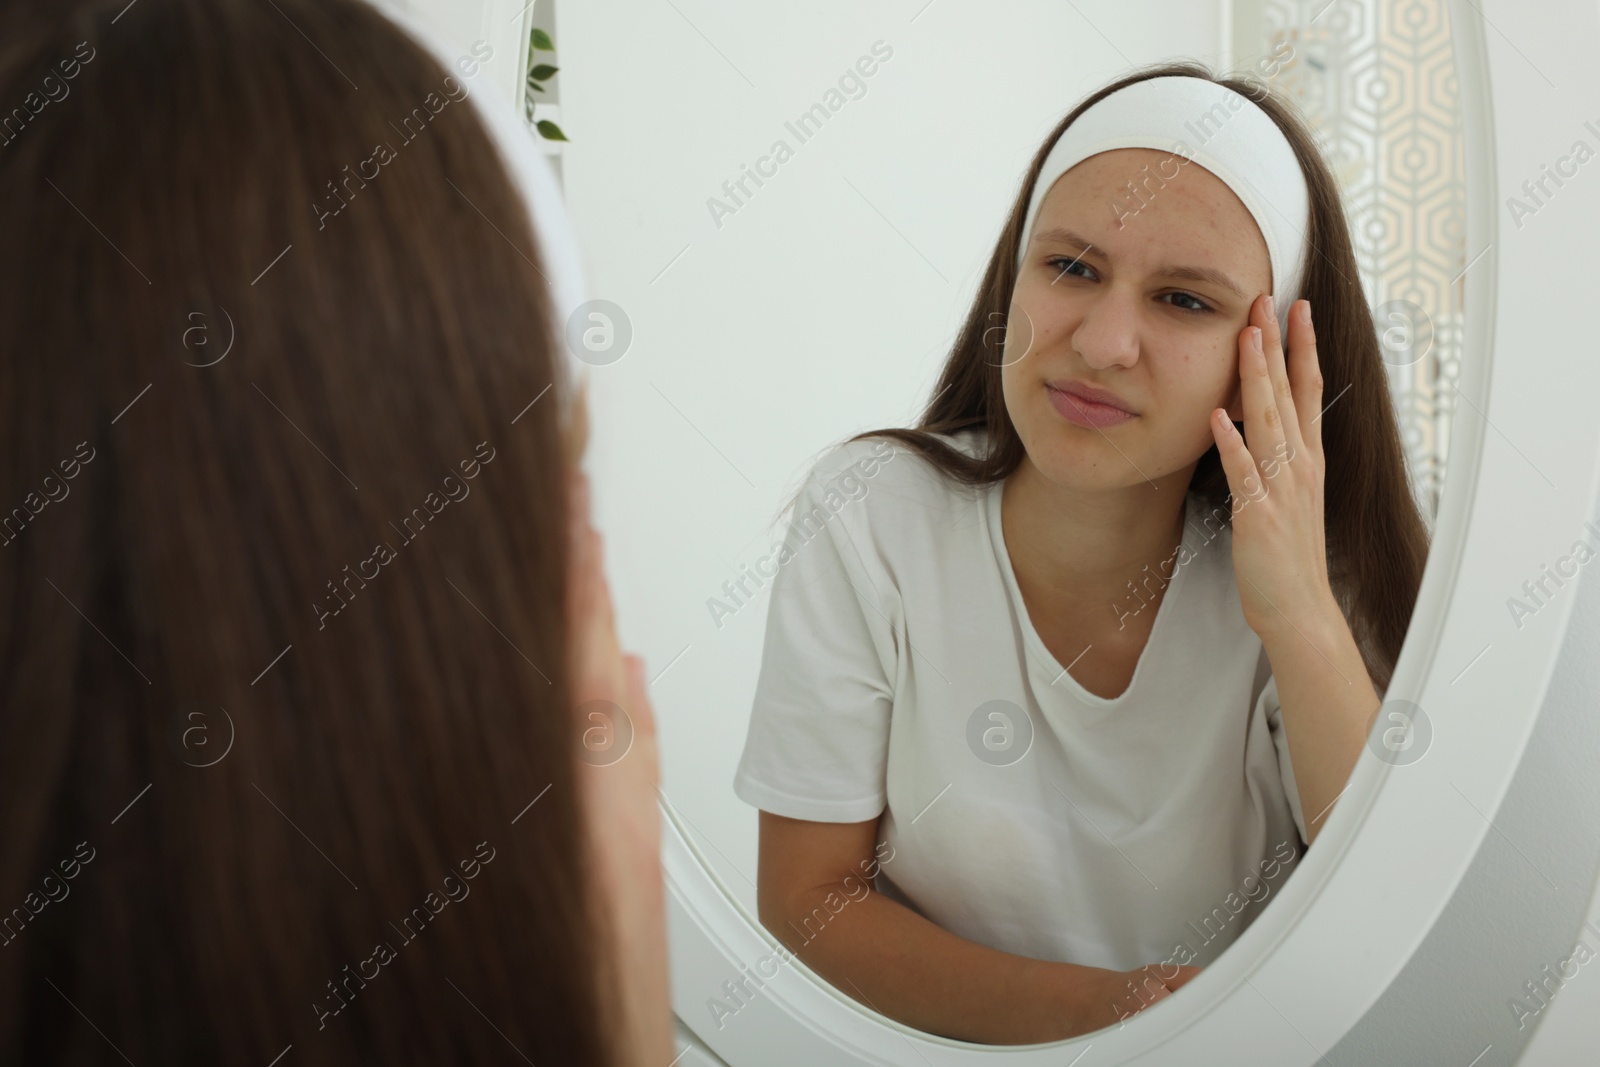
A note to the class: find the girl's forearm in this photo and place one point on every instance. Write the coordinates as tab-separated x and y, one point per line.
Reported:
902	965
1329	705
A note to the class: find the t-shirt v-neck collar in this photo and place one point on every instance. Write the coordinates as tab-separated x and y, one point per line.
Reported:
1035	644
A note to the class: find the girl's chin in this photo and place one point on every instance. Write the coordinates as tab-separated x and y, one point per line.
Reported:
1084	460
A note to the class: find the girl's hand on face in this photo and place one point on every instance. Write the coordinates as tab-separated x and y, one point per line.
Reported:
1279	549
614	732
618	769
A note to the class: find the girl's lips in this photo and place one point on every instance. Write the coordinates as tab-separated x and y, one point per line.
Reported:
1076	409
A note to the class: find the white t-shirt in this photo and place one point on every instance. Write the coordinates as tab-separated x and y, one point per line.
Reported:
901	675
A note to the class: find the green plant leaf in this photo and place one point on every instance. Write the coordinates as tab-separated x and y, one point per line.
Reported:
542	71
550	131
535	85
541	41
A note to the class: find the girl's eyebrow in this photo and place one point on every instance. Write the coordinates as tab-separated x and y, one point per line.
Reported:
1194	274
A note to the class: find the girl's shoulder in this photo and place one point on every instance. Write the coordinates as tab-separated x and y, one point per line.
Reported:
877	455
883	489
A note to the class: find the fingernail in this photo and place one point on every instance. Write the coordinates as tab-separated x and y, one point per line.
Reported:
1255	337
1269	304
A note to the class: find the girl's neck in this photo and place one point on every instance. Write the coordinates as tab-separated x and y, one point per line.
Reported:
1081	547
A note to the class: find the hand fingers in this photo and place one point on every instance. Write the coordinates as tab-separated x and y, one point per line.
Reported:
1169	974
1184	977
603	671
597	667
1262	394
1238	465
644	718
1149	987
1307	377
1283	383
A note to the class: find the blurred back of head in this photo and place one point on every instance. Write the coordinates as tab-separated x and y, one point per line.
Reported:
281	584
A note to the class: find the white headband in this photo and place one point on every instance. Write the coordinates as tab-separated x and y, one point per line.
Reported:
1209	124
559	259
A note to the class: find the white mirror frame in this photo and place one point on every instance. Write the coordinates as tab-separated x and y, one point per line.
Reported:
1393	933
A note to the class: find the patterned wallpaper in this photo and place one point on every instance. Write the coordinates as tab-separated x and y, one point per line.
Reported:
1377	80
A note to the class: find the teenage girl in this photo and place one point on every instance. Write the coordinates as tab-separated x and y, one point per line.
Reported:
1075	681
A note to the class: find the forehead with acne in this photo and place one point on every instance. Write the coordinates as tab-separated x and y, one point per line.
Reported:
1141	219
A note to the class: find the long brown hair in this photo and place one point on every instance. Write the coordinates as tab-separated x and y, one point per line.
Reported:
286	747
1376	536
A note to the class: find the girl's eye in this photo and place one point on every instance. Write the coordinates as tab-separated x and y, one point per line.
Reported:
1066	264
1190	296
1063	267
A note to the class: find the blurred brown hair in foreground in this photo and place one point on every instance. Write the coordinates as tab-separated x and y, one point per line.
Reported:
282	585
